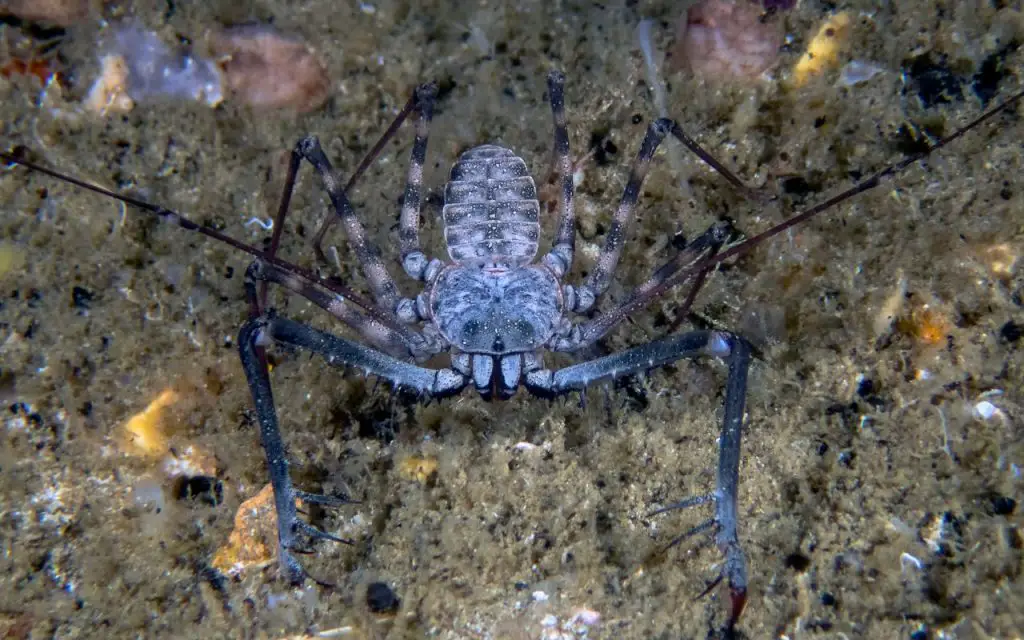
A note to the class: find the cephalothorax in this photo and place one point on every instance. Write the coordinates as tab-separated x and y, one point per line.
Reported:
493	307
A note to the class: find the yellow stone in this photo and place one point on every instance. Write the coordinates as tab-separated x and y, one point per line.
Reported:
418	468
144	429
823	51
12	258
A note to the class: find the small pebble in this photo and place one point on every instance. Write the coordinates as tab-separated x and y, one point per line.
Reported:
824	49
205	489
188	461
585	618
267	70
985	410
62	13
109	93
81	297
723	40
254	537
145	429
1001	260
147	493
381	599
856	71
1011	332
12	258
1003	506
421	469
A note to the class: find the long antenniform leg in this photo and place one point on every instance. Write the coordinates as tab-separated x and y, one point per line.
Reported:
665	277
735	351
364	164
415	102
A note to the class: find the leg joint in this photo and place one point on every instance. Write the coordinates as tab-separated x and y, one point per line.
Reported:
559	259
307	145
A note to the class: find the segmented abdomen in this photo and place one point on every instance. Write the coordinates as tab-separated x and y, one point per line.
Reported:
491	210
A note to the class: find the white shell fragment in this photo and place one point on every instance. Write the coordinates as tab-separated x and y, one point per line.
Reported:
857	72
253	64
109	93
154	70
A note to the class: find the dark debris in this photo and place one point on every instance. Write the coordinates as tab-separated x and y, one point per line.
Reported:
381	599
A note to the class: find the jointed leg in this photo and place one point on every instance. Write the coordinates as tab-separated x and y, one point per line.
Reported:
364	164
667	276
559	259
599	279
414	262
597	282
736	352
748	192
728	480
290	528
388	336
259	304
289	188
337	352
383	286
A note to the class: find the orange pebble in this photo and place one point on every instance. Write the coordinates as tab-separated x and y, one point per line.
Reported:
927	325
254	537
36	67
145	429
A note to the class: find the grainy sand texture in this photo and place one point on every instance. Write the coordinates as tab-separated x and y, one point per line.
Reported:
881	471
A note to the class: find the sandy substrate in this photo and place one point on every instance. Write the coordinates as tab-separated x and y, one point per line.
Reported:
876	500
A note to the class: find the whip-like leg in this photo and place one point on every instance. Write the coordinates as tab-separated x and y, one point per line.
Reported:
584	296
665	277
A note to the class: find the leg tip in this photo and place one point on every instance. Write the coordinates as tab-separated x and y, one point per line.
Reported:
738	600
308	144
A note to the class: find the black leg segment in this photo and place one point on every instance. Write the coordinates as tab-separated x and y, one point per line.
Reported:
289	526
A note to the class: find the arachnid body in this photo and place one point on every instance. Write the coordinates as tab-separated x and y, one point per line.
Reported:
492	307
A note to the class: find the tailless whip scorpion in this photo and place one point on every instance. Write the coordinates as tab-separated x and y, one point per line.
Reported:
492	306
